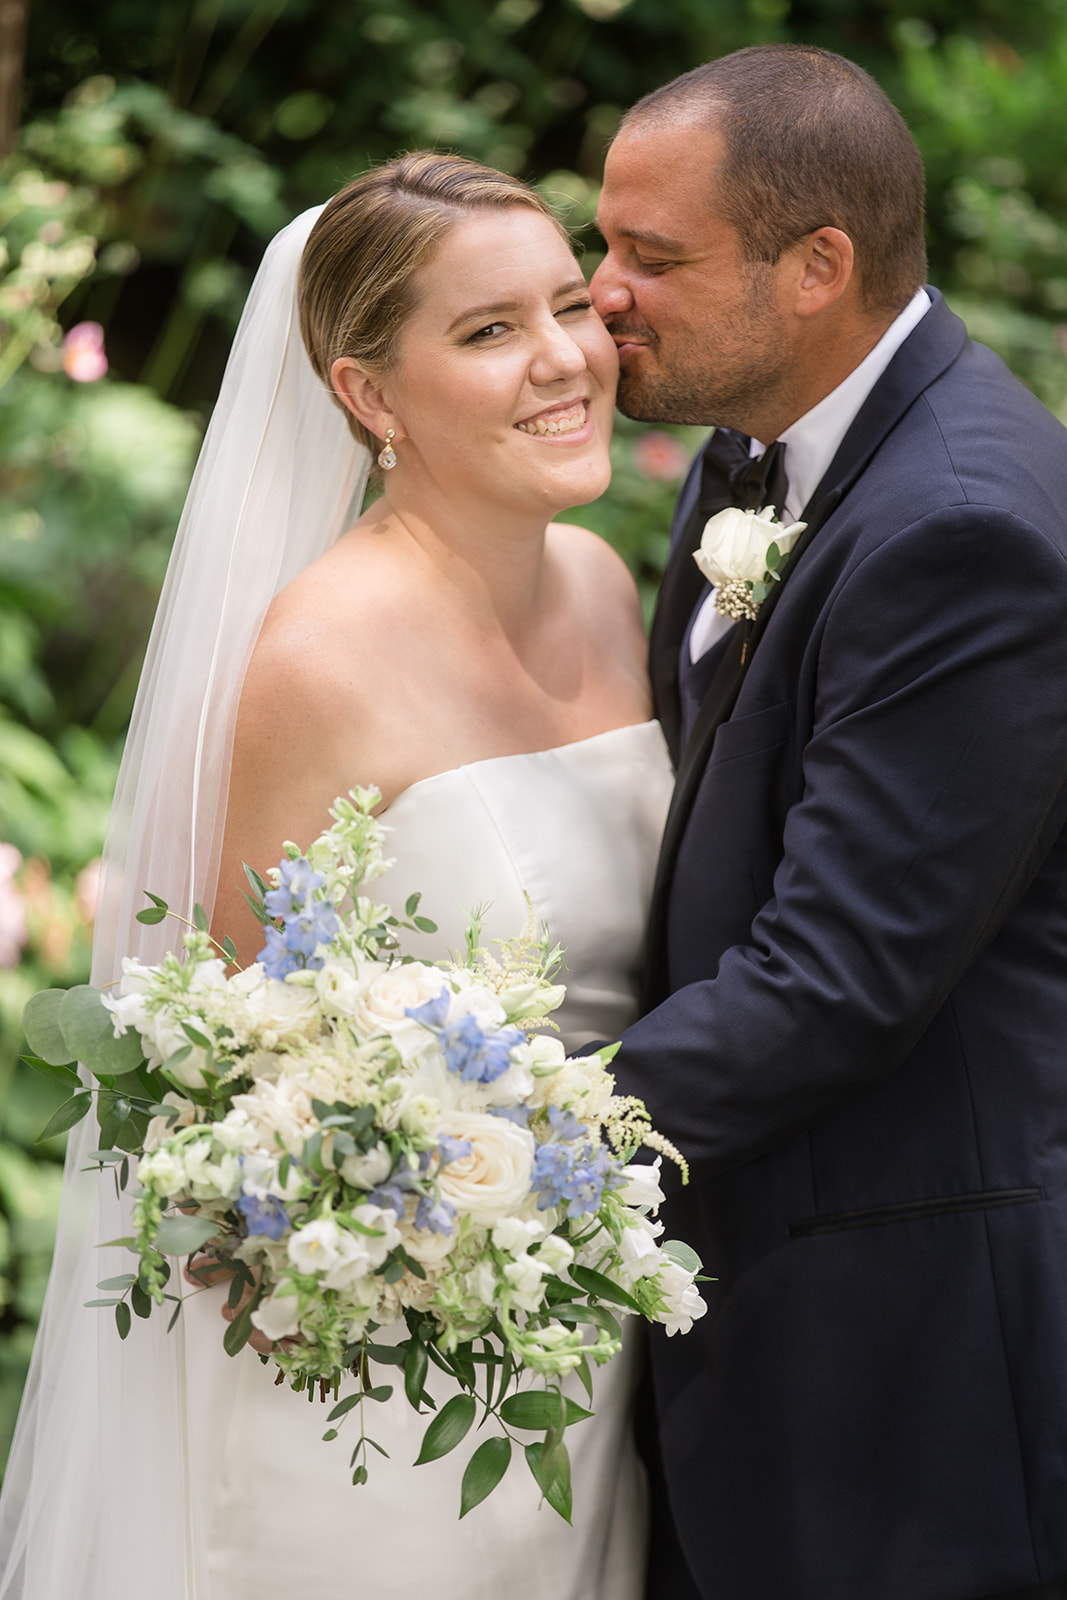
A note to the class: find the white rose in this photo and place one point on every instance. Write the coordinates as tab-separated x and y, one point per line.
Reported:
278	1317
642	1187
386	995
315	1247
734	544
495	1177
367	1171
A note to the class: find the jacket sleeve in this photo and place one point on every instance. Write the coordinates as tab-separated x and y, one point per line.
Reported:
933	788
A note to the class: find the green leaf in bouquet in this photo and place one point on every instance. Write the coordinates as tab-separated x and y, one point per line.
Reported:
195	1036
111	1302
255	882
464	1368
176	1057
390	1355
382	1392
151	915
41	1025
450	1426
49	1069
122	1282
425	925
541	1408
375	1446
595	1283
176	1313
682	1253
484	1471
122	1318
229	950
412	904
552	1474
70	1112
597	1316
140	1301
331	1433
200	918
343	1407
360	1475
416	1367
256	907
239	1331
237	1289
90	1035
181	1236
585	1377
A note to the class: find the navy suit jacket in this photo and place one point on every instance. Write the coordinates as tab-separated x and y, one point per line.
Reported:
861	1036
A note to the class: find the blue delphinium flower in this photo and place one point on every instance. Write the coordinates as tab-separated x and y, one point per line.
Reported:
306	923
263	1216
432	1013
477	1056
562	1172
450	1149
436	1215
297	879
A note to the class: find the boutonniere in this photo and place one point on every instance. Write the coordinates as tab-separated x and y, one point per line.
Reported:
742	553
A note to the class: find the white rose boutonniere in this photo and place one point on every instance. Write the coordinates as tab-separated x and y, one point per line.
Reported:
742	553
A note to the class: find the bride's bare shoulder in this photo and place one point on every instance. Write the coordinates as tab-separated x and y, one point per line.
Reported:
601	583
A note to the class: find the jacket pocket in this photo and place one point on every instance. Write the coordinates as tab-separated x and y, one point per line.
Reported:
910	1210
758	730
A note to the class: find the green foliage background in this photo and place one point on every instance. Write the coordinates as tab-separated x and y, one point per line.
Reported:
164	141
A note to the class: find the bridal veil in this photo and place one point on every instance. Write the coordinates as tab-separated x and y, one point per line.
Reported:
103	1495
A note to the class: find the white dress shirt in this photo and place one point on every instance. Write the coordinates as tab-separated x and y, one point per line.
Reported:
811	444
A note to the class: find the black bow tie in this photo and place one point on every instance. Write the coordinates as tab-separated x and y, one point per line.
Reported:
728	473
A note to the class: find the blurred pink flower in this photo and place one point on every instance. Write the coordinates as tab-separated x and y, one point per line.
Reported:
659	455
12	910
87	889
83	352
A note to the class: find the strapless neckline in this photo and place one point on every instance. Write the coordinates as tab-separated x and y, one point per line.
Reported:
576	745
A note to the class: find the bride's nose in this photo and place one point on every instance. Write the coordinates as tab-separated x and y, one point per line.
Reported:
557	355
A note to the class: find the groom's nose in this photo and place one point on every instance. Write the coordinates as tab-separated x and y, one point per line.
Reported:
609	289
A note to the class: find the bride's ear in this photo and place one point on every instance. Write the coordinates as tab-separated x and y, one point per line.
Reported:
361	394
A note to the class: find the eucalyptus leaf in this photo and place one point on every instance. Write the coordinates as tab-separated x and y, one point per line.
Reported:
360	1475
90	1035
151	916
229	950
484	1471
424	924
70	1112
122	1318
140	1301
451	1425
381	1393
181	1236
331	1433
200	918
41	1025
412	904
121	1282
682	1253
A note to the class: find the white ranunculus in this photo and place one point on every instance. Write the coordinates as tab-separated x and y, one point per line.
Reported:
734	544
315	1247
491	1181
278	1317
367	1171
642	1186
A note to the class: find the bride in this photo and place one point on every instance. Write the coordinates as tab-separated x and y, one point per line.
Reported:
484	667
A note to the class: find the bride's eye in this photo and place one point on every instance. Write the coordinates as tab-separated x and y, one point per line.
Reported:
490	331
575	305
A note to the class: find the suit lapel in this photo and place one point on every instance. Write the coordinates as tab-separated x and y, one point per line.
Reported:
908	374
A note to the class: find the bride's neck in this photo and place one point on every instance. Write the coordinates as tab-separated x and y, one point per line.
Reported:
490	559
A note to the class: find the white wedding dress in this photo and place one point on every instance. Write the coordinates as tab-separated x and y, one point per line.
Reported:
577	829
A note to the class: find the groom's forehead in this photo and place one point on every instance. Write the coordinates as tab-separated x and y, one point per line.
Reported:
669	170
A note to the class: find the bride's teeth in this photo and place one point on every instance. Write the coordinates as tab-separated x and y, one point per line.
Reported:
568	422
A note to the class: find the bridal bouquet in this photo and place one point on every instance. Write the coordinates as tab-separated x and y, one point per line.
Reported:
396	1163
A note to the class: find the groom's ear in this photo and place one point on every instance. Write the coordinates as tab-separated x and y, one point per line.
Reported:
360	392
824	264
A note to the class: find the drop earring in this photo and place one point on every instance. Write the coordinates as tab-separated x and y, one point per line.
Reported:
387	455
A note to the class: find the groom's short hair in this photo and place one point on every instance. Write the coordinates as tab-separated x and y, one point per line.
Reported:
810	141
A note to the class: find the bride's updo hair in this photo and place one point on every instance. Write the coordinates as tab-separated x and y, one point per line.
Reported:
358	276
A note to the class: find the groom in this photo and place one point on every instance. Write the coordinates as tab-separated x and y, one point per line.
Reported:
857	1025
